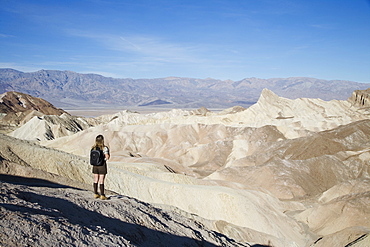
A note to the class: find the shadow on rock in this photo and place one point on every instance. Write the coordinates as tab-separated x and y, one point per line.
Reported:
64	210
32	182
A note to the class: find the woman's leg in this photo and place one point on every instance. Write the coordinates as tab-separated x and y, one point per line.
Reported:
96	178
95	185
101	186
101	178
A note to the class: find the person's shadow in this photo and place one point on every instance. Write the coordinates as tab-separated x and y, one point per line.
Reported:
137	235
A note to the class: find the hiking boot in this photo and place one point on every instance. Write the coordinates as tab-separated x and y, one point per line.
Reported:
96	196
103	197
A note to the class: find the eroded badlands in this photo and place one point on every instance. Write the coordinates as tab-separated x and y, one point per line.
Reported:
281	173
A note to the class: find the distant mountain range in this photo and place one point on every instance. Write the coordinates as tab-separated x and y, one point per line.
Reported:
67	88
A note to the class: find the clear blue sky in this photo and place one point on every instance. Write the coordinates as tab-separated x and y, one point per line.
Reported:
221	39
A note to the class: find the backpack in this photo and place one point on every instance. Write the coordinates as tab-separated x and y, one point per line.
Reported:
96	157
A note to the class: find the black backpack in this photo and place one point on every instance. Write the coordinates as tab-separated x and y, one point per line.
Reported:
96	157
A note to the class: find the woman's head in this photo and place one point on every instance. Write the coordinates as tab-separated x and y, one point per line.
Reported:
99	141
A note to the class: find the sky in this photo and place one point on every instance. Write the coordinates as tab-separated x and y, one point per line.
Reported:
220	39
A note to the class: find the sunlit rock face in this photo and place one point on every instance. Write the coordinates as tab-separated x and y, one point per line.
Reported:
18	108
282	172
49	127
15	102
360	98
33	118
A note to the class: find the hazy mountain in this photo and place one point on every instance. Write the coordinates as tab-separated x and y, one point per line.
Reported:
63	88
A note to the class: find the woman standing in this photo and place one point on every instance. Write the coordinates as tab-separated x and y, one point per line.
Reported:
100	171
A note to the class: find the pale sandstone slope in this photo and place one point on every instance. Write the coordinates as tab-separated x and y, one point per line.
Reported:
294	118
49	127
256	216
305	166
150	181
288	169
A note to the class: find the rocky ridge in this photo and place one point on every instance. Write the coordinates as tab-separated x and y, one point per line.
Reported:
51	214
18	109
15	102
293	118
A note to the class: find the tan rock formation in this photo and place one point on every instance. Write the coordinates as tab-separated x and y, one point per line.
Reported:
294	118
17	109
49	127
14	102
360	98
31	118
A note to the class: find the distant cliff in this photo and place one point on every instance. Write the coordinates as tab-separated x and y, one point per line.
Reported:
360	98
63	88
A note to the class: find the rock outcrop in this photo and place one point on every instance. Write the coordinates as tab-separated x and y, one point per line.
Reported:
360	98
18	108
49	127
32	118
15	102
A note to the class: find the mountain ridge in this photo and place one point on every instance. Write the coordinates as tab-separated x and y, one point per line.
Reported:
63	88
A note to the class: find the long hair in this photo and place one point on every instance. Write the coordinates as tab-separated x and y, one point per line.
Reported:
99	142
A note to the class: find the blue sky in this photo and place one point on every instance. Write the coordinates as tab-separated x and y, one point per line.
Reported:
221	39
